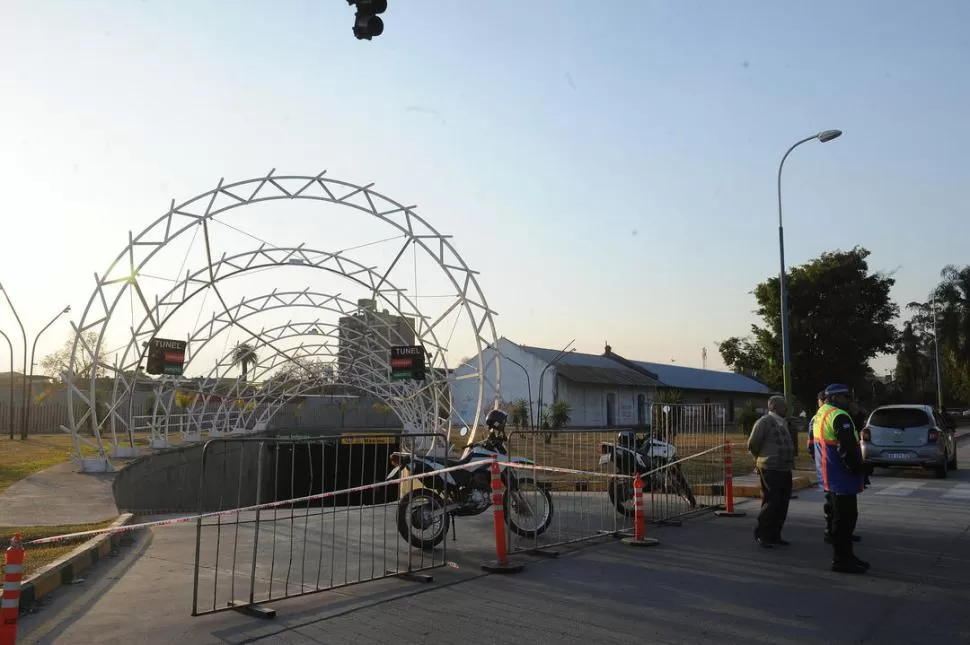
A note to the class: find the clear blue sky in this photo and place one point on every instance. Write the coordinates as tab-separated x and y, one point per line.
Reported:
609	168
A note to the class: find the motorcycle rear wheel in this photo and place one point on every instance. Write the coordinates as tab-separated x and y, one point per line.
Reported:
405	512
621	495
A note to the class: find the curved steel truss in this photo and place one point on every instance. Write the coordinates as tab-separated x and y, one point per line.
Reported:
143	256
275	381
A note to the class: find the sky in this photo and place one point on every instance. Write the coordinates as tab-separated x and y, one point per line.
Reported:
607	169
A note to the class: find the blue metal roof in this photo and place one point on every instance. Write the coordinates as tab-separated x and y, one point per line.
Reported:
572	358
693	378
676	376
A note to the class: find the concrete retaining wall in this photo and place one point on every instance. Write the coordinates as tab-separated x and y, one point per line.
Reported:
171	481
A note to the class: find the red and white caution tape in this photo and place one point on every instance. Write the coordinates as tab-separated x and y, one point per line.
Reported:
356	489
571	471
255	507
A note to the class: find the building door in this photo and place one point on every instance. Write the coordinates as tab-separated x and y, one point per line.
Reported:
641	409
610	409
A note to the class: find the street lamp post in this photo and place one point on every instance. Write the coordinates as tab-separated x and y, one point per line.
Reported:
824	137
565	350
24	375
10	384
528	380
23	433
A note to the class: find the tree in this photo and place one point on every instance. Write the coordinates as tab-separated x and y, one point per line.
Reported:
244	355
519	414
946	315
56	364
840	317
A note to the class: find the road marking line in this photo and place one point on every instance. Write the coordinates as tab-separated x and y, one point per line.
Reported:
901	489
960	491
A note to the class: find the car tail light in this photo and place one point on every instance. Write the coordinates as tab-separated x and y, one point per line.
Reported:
866	434
933	437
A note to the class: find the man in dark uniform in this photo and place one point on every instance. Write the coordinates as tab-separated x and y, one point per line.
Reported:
839	455
827	506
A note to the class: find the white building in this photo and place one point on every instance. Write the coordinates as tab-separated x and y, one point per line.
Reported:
601	391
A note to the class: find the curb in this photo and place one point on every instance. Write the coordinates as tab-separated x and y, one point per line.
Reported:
67	568
799	482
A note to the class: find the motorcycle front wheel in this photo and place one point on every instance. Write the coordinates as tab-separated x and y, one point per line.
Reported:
528	499
415	512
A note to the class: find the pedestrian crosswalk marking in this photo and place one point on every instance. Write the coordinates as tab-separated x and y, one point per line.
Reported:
902	489
960	491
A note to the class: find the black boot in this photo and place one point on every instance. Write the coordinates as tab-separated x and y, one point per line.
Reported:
828	538
848	567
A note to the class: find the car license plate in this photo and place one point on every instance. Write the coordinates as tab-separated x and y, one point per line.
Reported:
897	455
605	459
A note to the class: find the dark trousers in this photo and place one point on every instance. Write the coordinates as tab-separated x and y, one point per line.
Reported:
827	511
845	514
776	487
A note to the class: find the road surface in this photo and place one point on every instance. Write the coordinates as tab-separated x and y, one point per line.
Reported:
706	582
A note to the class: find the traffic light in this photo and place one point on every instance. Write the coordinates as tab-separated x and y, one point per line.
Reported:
367	24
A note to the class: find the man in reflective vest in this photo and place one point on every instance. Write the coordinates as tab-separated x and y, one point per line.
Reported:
827	506
839	457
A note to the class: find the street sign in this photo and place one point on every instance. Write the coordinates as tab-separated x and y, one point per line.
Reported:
166	356
407	363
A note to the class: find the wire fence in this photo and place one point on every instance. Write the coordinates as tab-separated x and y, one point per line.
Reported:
588	474
298	547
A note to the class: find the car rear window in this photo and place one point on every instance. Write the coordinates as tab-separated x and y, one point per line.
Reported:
899	418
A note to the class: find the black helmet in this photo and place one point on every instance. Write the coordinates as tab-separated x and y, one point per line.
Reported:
496	420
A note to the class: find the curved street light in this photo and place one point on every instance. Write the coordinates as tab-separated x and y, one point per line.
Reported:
25	428
10	381
528	379
824	137
23	378
558	357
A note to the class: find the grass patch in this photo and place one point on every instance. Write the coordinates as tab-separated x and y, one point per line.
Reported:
580	450
41	555
20	458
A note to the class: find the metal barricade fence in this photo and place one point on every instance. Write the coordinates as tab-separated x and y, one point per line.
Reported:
683	475
581	506
697	433
248	558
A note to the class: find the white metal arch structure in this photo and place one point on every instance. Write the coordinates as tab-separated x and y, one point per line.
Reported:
261	402
196	283
221	322
124	273
402	397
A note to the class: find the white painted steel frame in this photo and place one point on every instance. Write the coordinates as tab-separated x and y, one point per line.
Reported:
123	273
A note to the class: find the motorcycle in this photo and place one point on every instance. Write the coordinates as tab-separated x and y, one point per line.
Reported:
651	457
465	492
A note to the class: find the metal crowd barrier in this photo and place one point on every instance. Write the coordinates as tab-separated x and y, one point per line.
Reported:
249	558
588	499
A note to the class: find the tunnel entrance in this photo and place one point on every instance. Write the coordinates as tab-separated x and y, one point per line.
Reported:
315	466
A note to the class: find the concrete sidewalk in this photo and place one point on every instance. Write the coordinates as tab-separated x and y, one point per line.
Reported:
58	495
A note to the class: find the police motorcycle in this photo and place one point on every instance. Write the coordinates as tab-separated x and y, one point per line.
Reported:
437	499
648	458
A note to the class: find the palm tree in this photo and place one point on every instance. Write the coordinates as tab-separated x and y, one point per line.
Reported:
244	355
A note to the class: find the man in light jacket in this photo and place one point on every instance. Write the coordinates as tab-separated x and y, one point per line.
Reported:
770	443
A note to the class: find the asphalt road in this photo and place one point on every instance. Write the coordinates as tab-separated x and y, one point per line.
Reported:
706	582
